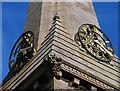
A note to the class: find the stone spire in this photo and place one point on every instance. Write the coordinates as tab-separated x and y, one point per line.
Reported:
57	30
77	68
56	12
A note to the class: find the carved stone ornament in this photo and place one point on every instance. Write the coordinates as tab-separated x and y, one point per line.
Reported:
95	42
54	64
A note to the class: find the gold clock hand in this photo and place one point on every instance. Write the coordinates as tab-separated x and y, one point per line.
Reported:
103	48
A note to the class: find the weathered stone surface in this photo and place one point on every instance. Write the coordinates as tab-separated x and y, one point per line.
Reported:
59	40
72	15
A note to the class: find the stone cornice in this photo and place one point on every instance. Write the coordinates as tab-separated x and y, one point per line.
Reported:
86	77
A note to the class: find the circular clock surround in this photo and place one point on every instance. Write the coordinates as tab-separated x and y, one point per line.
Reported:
22	51
95	42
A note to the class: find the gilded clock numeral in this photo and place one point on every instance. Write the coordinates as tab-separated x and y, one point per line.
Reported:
22	51
95	42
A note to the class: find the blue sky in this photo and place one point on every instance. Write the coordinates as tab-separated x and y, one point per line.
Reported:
14	15
13	19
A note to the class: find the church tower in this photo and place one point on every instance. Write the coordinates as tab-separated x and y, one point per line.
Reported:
62	47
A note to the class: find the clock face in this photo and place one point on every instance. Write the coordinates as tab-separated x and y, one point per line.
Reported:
22	51
95	42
